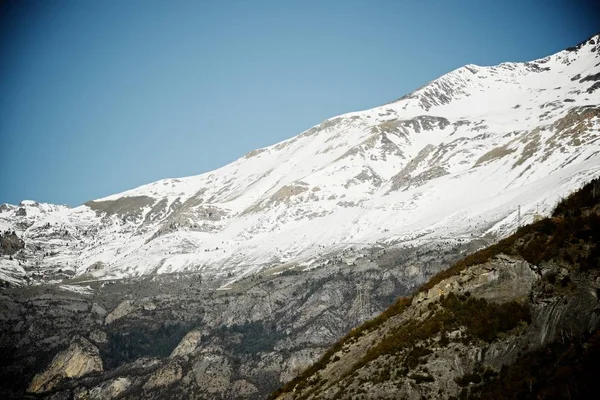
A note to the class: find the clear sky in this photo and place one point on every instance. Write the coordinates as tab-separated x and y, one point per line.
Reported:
97	97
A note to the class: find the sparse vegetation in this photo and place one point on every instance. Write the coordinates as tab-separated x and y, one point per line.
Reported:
255	336
571	237
422	378
481	320
300	381
123	347
566	370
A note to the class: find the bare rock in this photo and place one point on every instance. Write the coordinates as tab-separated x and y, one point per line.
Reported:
213	373
188	344
109	390
81	358
147	304
165	376
296	363
124	308
10	243
99	310
501	279
241	389
98	336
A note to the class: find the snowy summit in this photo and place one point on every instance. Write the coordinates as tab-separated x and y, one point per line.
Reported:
473	153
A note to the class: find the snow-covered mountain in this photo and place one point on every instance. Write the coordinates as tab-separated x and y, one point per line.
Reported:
472	153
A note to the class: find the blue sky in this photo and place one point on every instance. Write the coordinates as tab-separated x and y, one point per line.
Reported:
97	97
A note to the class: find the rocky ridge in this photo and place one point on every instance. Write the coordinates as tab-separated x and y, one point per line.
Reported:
522	134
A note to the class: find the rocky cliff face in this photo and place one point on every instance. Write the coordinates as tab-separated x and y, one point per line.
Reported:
465	332
10	243
183	335
80	359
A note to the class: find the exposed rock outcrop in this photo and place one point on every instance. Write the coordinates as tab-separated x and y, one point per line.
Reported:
257	335
80	359
188	344
242	389
212	373
124	308
10	243
165	376
109	390
97	336
502	279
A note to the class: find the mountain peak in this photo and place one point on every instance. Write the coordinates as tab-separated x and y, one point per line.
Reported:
452	159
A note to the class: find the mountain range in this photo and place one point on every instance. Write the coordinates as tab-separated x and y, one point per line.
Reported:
475	152
235	282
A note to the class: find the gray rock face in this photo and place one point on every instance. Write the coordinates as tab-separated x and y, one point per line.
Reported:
124	308
80	359
165	376
126	207
176	335
98	336
188	344
297	363
242	389
100	311
558	312
10	243
503	279
109	390
212	373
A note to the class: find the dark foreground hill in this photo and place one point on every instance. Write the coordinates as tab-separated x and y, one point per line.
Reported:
517	320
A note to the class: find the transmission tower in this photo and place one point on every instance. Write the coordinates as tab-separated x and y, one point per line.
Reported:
362	299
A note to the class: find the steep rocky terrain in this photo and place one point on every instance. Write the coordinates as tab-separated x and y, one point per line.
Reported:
178	335
518	319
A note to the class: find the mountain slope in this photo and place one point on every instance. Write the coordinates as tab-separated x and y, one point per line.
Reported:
454	159
516	320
